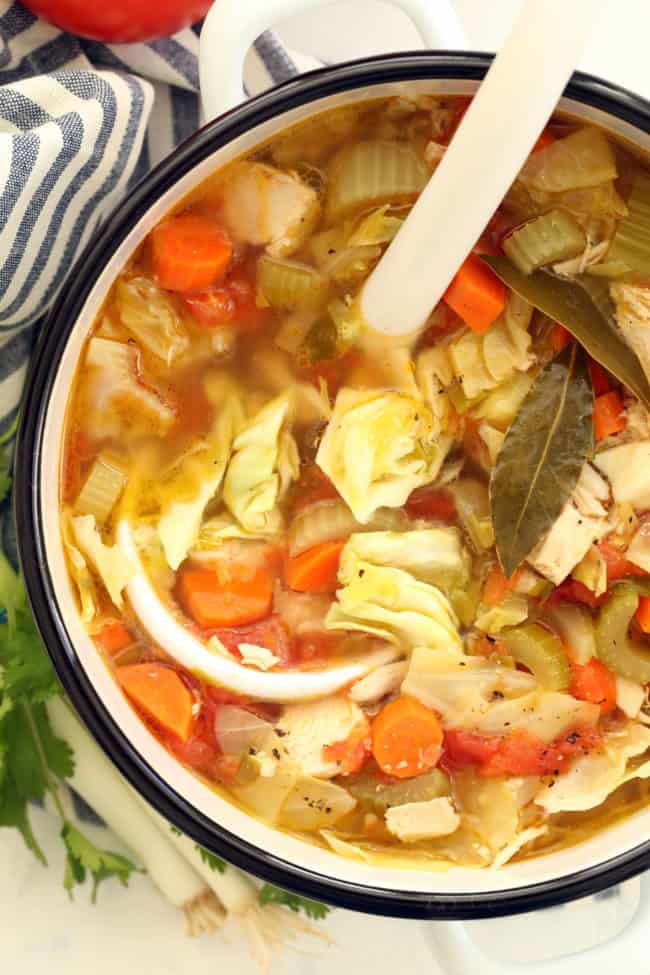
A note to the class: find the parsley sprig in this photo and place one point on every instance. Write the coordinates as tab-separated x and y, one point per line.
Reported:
33	761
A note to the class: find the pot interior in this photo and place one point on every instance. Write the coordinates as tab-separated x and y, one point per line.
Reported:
271	843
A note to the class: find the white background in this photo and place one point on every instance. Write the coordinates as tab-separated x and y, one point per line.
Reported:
136	931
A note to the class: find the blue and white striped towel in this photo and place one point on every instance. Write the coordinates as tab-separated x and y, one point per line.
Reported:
80	123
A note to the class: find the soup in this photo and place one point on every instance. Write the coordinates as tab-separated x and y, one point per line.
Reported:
392	598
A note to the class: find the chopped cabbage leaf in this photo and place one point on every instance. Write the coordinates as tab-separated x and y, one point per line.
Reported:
81	575
435	555
458	687
149	314
391	604
222	528
630	696
379	227
378	447
519	841
546	714
512	609
638	550
489	808
593	777
306	729
114	569
583	158
264	462
627	468
202	468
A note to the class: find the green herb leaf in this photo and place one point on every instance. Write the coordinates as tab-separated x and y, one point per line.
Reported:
212	861
542	455
585	313
275	895
84	857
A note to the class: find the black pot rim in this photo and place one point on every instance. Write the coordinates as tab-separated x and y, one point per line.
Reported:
419	65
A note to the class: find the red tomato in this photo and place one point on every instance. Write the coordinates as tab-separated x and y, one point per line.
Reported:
230	303
572	591
427	502
521	753
121	21
270	633
593	682
463	748
352	753
618	566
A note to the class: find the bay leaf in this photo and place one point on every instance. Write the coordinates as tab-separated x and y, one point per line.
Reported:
587	314
542	455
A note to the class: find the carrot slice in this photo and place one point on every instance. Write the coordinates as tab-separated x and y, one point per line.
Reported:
233	596
608	415
476	294
160	693
593	682
113	637
189	252
406	738
643	613
316	570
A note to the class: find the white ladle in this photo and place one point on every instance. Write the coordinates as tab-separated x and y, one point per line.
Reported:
492	143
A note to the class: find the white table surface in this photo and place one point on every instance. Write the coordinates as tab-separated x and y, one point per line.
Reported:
134	930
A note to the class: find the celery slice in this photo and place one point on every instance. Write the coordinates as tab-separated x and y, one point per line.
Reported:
101	490
368	174
542	653
289	284
630	249
617	650
473	507
555	236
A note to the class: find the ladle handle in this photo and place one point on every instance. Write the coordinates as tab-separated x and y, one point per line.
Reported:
231	26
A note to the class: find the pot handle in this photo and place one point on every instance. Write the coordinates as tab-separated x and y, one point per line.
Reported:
231	26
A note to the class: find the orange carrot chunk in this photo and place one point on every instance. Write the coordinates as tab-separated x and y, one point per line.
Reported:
161	695
497	586
476	294
593	682
609	417
643	613
233	596
189	252
113	637
316	570
406	738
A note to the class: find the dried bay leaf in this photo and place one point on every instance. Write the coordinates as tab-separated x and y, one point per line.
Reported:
542	455
585	312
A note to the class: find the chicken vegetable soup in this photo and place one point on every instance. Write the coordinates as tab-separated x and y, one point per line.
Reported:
392	598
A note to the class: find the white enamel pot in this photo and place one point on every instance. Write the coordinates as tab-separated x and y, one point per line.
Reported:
609	857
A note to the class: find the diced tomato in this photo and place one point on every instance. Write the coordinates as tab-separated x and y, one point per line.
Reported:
352	753
270	633
444	322
428	502
618	566
232	302
643	614
609	415
312	487
314	649
462	748
593	682
520	753
572	591
600	378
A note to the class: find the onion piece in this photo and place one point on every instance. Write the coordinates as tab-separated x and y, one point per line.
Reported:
327	521
193	654
237	730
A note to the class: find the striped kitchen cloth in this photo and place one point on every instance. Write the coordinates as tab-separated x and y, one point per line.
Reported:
80	123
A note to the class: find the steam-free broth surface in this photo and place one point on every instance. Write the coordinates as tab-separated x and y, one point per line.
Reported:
393	599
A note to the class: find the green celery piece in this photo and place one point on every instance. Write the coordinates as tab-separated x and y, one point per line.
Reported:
616	648
555	236
630	249
542	653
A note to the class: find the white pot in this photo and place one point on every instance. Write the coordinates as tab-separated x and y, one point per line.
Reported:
607	858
